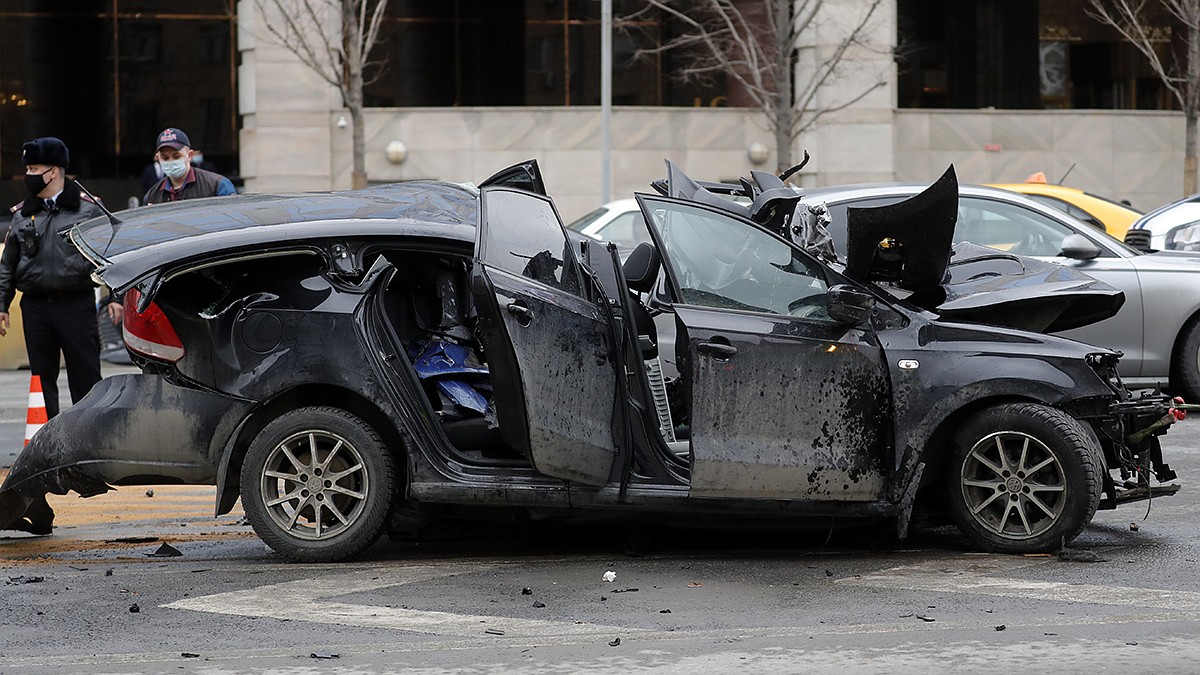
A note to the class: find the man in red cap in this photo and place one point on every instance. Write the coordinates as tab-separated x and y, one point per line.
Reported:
58	302
180	179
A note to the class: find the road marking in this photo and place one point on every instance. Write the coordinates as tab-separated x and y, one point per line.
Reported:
306	600
933	577
311	600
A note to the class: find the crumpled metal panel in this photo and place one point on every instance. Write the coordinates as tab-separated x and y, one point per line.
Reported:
422	201
129	429
907	242
1003	289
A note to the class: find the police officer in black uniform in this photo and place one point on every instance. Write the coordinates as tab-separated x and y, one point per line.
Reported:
58	304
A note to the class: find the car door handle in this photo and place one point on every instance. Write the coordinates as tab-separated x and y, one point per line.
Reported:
717	349
518	309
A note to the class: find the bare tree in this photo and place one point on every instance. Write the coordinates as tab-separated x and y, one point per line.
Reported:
334	39
755	45
1179	74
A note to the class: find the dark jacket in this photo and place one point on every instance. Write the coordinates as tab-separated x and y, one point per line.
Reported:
200	184
37	259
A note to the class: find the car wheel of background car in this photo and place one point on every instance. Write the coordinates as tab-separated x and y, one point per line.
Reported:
1024	478
318	484
1185	364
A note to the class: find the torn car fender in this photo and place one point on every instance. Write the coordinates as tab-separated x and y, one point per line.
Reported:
129	430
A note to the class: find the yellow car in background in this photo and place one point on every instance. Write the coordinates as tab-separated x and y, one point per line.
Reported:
1105	214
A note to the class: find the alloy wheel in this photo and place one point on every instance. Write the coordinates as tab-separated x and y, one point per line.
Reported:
1013	485
314	484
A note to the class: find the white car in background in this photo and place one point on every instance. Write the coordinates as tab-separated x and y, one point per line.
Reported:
1174	227
617	221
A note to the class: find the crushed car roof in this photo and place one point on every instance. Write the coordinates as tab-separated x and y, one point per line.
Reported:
423	201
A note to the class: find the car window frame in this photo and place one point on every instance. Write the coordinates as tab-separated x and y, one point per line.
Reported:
573	266
1107	244
831	277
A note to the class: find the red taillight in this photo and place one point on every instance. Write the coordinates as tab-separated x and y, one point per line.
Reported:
150	332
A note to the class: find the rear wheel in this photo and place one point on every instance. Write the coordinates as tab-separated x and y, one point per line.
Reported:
318	484
1024	478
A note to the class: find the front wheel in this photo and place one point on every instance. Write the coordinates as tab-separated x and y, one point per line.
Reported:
318	484
1023	478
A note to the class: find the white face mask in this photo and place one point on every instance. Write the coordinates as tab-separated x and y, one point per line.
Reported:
174	168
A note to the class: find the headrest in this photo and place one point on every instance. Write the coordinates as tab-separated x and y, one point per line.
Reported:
641	267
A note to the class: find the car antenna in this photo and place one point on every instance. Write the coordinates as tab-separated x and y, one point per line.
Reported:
788	174
1068	173
111	218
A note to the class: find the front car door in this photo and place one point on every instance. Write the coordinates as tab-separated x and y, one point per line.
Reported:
548	346
786	403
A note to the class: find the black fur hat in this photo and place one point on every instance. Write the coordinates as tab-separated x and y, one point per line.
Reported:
47	150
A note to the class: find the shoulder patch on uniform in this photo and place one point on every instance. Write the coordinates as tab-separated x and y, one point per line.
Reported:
16	207
86	197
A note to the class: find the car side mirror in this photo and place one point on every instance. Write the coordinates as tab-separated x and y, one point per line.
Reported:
850	305
1079	247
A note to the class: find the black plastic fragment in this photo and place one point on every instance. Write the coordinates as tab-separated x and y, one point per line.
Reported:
165	551
132	540
25	580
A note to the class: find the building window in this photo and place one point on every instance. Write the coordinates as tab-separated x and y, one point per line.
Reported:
1024	54
107	76
519	53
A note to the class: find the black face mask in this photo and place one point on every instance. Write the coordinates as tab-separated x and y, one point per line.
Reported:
36	182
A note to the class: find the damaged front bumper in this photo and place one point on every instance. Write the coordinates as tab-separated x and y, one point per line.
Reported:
1129	434
128	430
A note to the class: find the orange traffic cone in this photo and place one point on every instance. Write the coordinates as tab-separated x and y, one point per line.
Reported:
36	417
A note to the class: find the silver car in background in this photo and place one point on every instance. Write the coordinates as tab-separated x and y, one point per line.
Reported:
1158	327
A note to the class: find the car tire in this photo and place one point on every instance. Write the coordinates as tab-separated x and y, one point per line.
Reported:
1185	364
1023	478
323	510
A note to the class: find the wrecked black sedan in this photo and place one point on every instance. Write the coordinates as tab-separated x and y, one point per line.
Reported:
341	360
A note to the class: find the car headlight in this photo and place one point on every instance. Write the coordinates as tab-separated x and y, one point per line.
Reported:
1184	238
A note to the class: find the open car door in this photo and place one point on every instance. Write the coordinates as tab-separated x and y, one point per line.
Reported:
548	347
786	402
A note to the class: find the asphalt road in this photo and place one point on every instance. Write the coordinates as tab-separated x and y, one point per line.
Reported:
682	601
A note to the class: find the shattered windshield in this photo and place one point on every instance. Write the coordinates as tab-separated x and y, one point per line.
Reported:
721	262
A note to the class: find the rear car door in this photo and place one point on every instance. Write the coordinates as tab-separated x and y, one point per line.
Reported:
548	346
786	403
